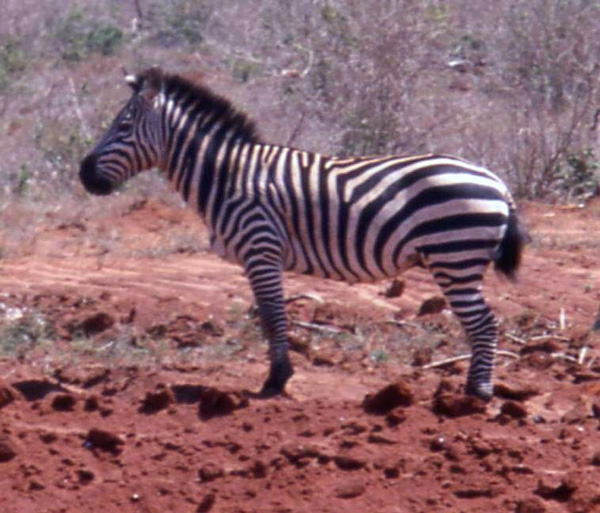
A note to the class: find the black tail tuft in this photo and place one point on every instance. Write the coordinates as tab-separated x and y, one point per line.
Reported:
508	254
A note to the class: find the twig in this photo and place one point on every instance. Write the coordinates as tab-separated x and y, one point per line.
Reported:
516	339
441	363
582	354
402	323
562	319
84	129
563	356
537	338
312	297
316	327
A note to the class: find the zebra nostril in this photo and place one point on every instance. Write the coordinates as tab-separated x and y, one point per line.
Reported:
91	180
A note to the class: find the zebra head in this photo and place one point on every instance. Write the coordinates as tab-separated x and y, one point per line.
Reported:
133	143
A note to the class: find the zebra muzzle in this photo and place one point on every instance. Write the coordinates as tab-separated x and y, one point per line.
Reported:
91	179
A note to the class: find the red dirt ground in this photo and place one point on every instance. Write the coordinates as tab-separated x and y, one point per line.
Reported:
127	378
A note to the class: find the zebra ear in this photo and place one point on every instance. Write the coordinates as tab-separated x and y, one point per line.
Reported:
132	80
153	80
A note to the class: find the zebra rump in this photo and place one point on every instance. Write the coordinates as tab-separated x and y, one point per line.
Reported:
271	208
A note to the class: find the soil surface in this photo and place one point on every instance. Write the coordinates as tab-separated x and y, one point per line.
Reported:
130	363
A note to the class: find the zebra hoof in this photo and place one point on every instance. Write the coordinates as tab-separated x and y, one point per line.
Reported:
485	392
279	375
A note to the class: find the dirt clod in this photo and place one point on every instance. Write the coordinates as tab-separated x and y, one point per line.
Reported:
64	402
156	401
104	440
390	397
451	405
530	505
209	472
207	503
216	403
432	305
395	288
349	490
7	394
8	450
515	393
513	409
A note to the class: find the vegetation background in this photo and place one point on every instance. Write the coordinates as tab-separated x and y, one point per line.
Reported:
511	84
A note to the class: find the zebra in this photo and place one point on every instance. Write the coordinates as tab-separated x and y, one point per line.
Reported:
271	208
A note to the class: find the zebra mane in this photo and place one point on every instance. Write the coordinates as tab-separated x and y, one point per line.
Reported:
233	120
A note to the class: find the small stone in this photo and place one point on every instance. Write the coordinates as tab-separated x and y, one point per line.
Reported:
64	402
8	449
85	476
210	472
104	440
7	394
216	403
432	305
345	462
550	488
531	505
513	409
395	289
450	405
388	398
514	393
349	490
596	459
207	502
156	401
422	356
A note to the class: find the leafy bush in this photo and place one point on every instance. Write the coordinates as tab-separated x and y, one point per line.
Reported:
578	176
12	60
78	36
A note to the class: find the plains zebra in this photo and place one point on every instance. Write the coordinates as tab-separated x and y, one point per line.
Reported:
272	208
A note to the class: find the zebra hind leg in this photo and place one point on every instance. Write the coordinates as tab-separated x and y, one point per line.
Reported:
466	299
272	315
265	280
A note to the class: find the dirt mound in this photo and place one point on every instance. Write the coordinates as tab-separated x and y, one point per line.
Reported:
128	383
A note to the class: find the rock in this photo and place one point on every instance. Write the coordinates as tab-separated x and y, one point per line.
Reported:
531	505
550	488
207	502
349	490
210	472
515	393
596	459
432	305
7	394
299	454
395	289
576	415
345	462
422	356
216	403
450	405
104	440
388	398
513	409
93	324
395	417
85	476
156	401
64	402
8	450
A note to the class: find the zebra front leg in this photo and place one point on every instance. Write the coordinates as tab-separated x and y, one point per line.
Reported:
466	299
266	281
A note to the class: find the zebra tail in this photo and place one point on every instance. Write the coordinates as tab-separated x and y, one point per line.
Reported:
509	253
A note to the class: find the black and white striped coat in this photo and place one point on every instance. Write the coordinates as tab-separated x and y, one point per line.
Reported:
271	208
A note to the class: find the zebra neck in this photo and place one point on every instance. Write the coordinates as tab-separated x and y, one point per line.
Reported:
203	163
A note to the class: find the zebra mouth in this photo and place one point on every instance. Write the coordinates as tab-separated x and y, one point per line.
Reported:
91	180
